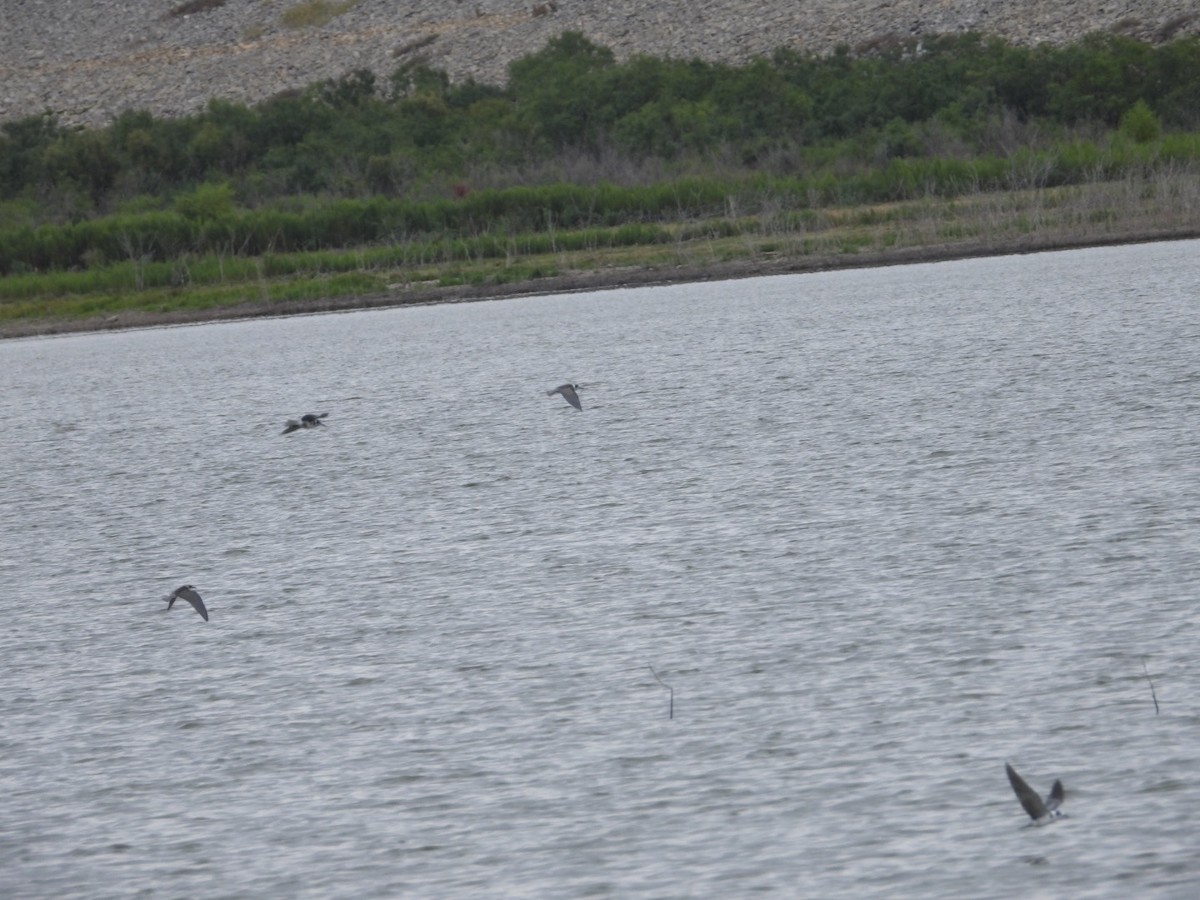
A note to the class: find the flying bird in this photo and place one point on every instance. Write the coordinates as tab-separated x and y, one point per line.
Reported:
308	420
188	593
568	393
1037	808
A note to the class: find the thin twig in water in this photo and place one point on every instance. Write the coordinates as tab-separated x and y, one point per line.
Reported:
1153	696
671	708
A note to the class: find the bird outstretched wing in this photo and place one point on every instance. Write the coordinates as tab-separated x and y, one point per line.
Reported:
1057	795
188	593
569	394
1030	801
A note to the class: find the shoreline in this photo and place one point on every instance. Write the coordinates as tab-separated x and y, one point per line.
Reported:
597	280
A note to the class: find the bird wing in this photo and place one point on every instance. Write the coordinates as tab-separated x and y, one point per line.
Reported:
1030	801
570	396
1056	797
290	426
186	593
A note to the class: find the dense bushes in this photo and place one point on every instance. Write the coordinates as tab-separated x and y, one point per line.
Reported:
411	156
204	221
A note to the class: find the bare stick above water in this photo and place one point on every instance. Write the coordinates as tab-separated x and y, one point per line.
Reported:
671	707
1153	696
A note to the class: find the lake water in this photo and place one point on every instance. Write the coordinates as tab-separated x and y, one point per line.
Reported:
879	530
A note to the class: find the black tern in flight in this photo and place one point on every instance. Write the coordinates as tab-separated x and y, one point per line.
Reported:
568	393
188	593
308	420
1039	810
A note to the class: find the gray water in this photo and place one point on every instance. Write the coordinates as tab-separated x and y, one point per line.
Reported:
879	530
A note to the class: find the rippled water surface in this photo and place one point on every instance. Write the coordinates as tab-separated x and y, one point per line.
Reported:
879	530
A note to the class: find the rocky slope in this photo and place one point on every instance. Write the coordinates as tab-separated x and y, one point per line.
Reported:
87	60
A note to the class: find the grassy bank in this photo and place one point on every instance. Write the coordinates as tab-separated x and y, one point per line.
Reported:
356	192
1148	205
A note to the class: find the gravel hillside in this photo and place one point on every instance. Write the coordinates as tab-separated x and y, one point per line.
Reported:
88	60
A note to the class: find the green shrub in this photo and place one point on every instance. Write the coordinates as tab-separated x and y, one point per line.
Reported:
206	203
314	13
1139	124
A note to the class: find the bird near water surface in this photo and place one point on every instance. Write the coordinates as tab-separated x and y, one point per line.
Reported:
308	420
188	593
1039	810
569	394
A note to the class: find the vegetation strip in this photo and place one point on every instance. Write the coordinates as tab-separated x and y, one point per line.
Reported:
353	188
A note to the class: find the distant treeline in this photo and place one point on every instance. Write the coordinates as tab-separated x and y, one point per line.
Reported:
364	159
